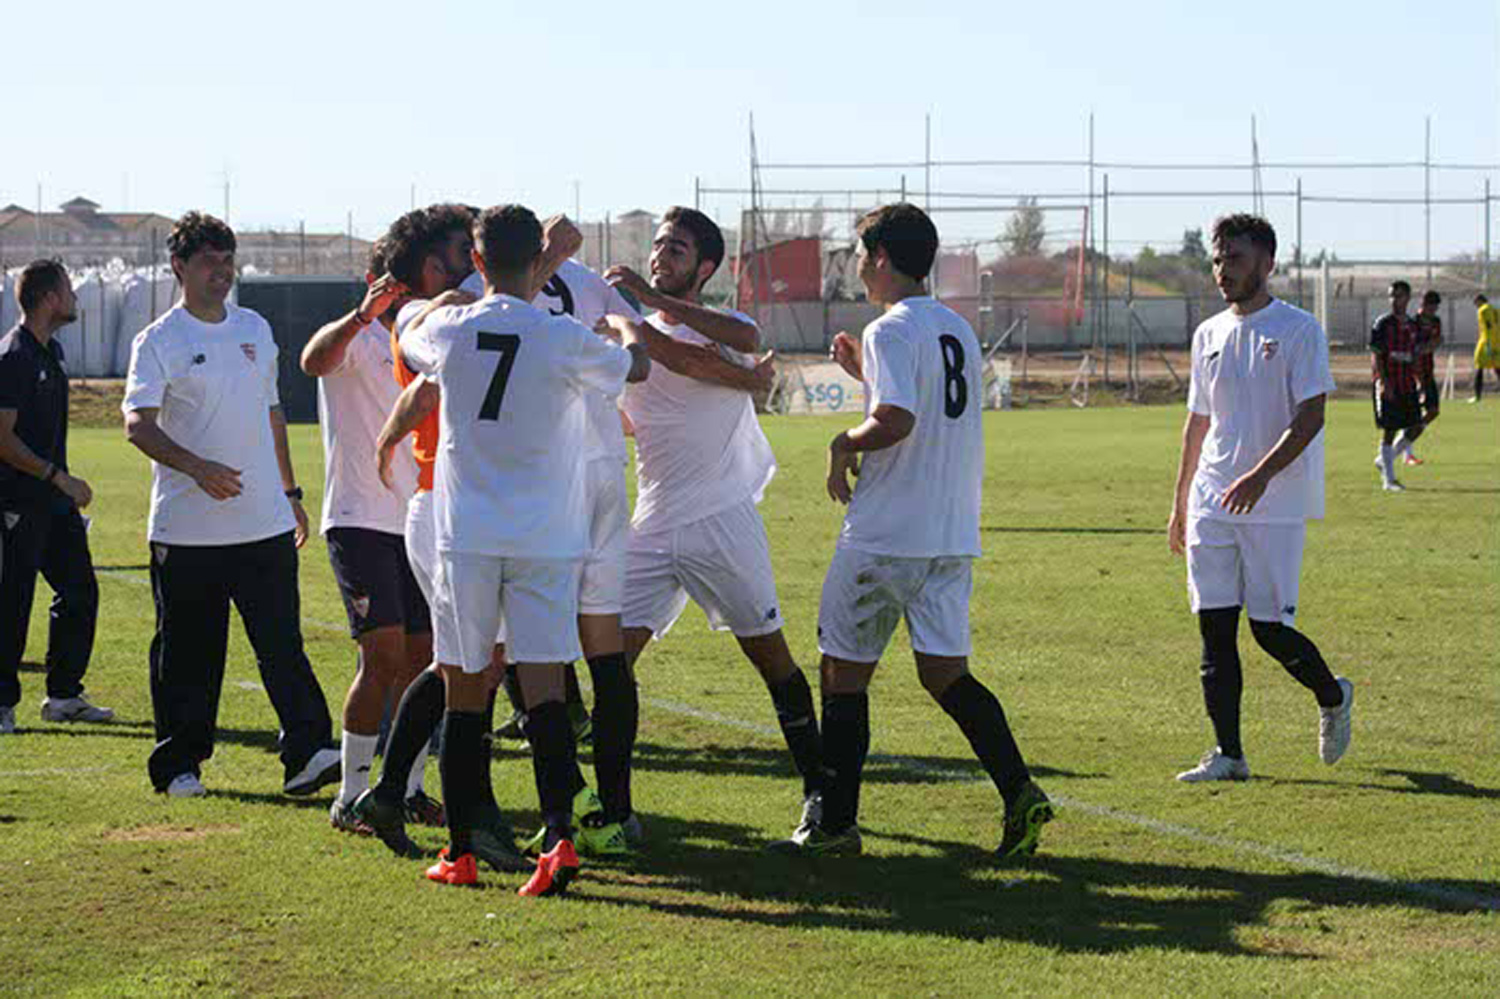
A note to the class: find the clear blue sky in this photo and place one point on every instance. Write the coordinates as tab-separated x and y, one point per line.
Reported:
318	109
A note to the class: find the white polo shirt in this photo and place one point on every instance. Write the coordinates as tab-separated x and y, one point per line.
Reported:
213	385
575	290
921	497
353	402
1249	375
699	448
513	422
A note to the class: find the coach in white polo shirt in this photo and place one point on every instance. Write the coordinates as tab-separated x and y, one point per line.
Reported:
1250	477
226	518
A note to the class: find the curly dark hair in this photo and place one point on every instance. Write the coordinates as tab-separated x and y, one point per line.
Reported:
418	234
379	262
905	232
39	279
509	237
196	231
1252	227
705	232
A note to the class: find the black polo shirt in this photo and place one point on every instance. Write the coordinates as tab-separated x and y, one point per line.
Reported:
34	384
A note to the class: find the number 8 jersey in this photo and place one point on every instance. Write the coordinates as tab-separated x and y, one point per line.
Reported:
921	497
514	427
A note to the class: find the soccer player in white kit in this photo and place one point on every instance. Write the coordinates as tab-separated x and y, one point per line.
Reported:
911	533
1249	479
512	520
364	524
702	465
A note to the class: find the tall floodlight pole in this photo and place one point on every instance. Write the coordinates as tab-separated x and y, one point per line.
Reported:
1093	265
1484	282
927	165
1301	304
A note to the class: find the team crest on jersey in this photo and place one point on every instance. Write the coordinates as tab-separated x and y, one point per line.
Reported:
160	554
361	605
1268	348
11	520
249	351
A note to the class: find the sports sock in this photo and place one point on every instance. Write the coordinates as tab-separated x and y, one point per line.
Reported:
1388	462
487	811
799	727
554	761
356	754
571	692
617	711
1401	445
460	763
512	688
978	713
1223	681
417	718
1299	657
846	742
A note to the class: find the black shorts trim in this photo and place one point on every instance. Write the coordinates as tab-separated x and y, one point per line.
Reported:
1397	412
376	581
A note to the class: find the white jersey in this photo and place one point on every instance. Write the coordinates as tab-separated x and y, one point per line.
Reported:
213	385
354	400
575	290
509	476
921	497
1249	375
699	448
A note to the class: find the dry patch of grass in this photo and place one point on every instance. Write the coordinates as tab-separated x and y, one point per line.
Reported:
166	834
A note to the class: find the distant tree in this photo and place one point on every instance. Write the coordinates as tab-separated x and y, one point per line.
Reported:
1192	246
1025	230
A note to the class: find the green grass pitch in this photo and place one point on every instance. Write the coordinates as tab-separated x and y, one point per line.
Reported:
1360	879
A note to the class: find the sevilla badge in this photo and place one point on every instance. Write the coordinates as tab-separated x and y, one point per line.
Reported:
249	351
1268	348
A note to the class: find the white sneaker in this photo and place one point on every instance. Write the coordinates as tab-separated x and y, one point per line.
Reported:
323	769
186	786
1216	766
66	709
1392	486
1334	728
7	721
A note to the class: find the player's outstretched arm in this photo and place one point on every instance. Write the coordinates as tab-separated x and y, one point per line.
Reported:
1246	491
412	406
219	481
1193	432
721	327
325	350
698	361
560	240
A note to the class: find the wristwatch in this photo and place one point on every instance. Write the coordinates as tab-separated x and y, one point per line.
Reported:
295	493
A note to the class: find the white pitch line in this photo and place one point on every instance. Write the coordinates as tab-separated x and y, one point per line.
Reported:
1175	830
1302	861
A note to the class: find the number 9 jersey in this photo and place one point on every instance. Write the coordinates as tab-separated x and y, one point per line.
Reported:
513	427
921	497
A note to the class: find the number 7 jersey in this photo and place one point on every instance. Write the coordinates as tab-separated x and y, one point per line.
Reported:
921	497
514	426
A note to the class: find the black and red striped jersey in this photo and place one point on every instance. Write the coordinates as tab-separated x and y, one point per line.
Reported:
1429	336
1393	347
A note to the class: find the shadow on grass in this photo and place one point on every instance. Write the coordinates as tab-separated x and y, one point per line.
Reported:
708	870
265	739
1074	530
1418	782
755	761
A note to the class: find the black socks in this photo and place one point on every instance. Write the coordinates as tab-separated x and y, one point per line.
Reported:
617	713
978	713
1223	681
417	717
799	726
462	764
1299	657
554	760
846	742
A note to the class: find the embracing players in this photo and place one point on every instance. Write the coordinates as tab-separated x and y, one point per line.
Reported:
702	465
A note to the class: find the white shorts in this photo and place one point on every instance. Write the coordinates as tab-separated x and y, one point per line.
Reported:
602	587
421	544
865	596
1254	566
723	562
601	584
537	598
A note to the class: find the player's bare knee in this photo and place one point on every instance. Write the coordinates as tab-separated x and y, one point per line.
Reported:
839	676
938	673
